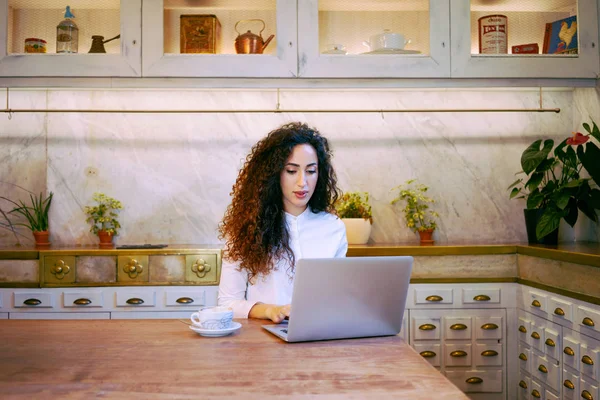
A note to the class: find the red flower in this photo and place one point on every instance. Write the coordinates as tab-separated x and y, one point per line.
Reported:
577	139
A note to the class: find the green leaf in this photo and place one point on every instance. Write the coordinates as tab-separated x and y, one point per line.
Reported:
547	223
545	165
562	200
533	155
534	181
535	199
514	183
514	192
571	212
574	183
595	132
590	159
584	205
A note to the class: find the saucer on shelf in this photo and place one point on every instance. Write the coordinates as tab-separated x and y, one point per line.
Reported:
392	51
235	326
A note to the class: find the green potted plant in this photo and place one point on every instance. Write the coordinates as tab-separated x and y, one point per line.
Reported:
35	216
553	186
355	211
417	213
103	218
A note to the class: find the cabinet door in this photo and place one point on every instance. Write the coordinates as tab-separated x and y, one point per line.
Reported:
328	28
167	54
520	23
109	18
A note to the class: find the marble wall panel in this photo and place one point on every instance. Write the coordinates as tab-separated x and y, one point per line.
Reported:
174	172
19	271
167	268
96	269
481	266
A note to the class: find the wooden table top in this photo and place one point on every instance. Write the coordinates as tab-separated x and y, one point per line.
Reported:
153	359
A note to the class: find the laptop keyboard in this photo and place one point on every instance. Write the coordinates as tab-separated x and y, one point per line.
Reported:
284	330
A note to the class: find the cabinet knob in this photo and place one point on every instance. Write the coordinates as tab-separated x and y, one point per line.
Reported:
587	360
185	300
568	384
82	302
535	335
522	329
427	327
559	311
569	351
133	268
542	368
427	354
536	394
489	327
523	384
135	301
482	297
435	298
458	327
474	380
60	269
550	342
587	395
588	322
489	353
458	353
200	267
522	357
536	303
32	302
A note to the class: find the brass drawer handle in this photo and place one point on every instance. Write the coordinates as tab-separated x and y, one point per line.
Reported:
434	298
587	360
535	335
489	327
522	357
482	297
458	327
587	395
536	394
489	353
523	384
542	368
427	354
458	353
568	384
185	300
474	380
522	329
427	327
588	322
32	302
569	351
135	301
536	303
559	311
550	342
82	302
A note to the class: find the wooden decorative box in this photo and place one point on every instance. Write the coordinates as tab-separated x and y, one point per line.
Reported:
200	33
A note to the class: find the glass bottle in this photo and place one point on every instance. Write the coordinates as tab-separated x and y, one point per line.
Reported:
67	34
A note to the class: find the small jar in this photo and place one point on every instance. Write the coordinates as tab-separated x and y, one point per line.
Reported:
35	45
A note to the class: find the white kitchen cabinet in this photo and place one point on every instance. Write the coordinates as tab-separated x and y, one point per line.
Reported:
161	50
324	23
21	19
525	24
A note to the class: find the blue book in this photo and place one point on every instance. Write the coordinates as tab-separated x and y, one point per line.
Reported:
561	36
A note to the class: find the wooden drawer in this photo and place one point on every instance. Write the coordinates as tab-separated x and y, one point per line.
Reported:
589	363
537	391
590	387
59	269
426	328
185	299
570	385
537	337
488	328
524	357
473	381
570	351
550	395
132	298
588	320
536	302
487	354
202	269
433	296
33	299
524	329
457	354
547	371
560	310
552	341
481	296
432	352
523	388
83	299
457	328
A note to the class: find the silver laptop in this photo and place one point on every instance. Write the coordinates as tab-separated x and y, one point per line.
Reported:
337	298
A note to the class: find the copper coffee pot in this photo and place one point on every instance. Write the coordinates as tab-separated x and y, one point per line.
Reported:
98	43
250	43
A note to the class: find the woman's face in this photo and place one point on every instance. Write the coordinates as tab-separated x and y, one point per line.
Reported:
299	178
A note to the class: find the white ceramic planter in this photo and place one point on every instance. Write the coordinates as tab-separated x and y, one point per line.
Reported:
357	230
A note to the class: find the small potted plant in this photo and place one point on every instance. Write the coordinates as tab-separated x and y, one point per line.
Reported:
355	211
419	217
36	216
103	218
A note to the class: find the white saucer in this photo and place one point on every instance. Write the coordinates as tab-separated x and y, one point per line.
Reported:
217	332
393	51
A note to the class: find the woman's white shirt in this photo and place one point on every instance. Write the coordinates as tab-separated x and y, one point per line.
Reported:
321	235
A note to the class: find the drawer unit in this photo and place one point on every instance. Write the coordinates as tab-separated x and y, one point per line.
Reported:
552	340
481	296
570	385
523	388
537	302
185	299
457	354
488	354
570	350
547	371
81	299
589	364
139	298
589	389
473	381
588	320
524	356
524	328
457	328
560	311
433	296
33	299
426	328
432	352
488	327
537	391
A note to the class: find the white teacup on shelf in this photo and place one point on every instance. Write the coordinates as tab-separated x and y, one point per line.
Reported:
335	49
213	318
386	40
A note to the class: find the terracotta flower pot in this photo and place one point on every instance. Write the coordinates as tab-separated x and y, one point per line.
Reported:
426	237
105	239
42	239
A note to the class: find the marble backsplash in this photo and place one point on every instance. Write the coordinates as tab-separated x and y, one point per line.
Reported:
174	172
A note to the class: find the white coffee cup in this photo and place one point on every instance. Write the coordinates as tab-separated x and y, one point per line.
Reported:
213	318
387	40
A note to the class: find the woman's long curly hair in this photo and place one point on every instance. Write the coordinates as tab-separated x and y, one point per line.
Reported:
254	225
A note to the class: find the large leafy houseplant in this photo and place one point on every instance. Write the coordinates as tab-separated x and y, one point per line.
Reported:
34	216
554	183
103	216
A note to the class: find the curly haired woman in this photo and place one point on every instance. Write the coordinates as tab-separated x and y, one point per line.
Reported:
281	211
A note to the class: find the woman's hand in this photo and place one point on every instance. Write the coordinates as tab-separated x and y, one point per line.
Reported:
278	313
